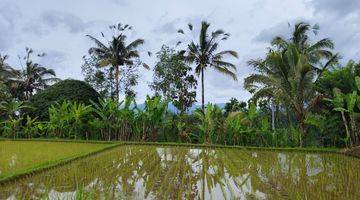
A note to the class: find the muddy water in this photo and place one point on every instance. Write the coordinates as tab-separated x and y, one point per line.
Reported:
153	172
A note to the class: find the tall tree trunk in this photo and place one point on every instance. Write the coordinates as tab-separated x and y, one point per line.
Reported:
202	91
111	78
272	116
117	93
300	120
346	128
289	120
302	132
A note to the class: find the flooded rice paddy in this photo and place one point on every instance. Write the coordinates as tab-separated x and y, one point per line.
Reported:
17	156
154	172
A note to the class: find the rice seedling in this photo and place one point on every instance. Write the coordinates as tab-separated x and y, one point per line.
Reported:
23	156
174	172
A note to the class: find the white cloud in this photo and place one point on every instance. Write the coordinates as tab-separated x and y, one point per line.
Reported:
9	15
59	27
338	7
55	18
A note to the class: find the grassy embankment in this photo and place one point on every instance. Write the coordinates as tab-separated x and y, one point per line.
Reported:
20	158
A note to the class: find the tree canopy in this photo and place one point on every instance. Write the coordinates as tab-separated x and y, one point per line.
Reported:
71	90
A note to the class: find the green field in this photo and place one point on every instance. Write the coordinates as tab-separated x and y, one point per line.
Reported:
174	172
18	157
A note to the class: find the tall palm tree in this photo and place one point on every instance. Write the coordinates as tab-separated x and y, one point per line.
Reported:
6	71
204	54
116	53
314	52
289	71
34	77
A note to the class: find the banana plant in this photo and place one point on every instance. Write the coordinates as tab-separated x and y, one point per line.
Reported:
249	127
41	128
357	136
339	105
209	123
30	127
12	110
106	119
11	127
150	120
80	116
126	118
235	125
351	101
59	119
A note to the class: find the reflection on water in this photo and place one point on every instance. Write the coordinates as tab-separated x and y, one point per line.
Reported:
147	172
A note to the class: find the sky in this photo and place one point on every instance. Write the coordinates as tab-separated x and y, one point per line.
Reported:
59	29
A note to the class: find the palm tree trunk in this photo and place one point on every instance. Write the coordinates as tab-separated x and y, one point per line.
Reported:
111	78
272	116
202	91
301	124
289	121
117	82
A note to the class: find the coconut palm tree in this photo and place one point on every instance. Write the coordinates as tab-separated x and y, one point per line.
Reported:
117	53
204	54
34	77
6	71
289	71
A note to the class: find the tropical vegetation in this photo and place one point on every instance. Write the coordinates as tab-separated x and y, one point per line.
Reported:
302	94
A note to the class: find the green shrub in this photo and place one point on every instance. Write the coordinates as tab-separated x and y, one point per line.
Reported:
70	90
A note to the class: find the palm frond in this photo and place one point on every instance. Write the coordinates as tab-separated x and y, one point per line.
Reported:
226	71
263	93
279	42
190	26
217	33
136	43
221	63
203	35
325	43
98	42
181	31
257	79
228	52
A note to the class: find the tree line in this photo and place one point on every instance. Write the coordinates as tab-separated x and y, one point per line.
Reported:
301	94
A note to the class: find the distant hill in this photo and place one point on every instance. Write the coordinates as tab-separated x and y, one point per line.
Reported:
173	109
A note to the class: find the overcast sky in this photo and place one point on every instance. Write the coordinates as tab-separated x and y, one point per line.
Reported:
58	28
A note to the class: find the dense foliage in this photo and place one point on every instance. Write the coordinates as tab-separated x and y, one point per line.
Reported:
301	95
71	90
109	120
173	79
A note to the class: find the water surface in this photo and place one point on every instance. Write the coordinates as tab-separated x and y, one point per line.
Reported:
152	172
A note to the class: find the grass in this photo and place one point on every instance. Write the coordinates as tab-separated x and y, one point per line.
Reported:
24	157
187	172
286	149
